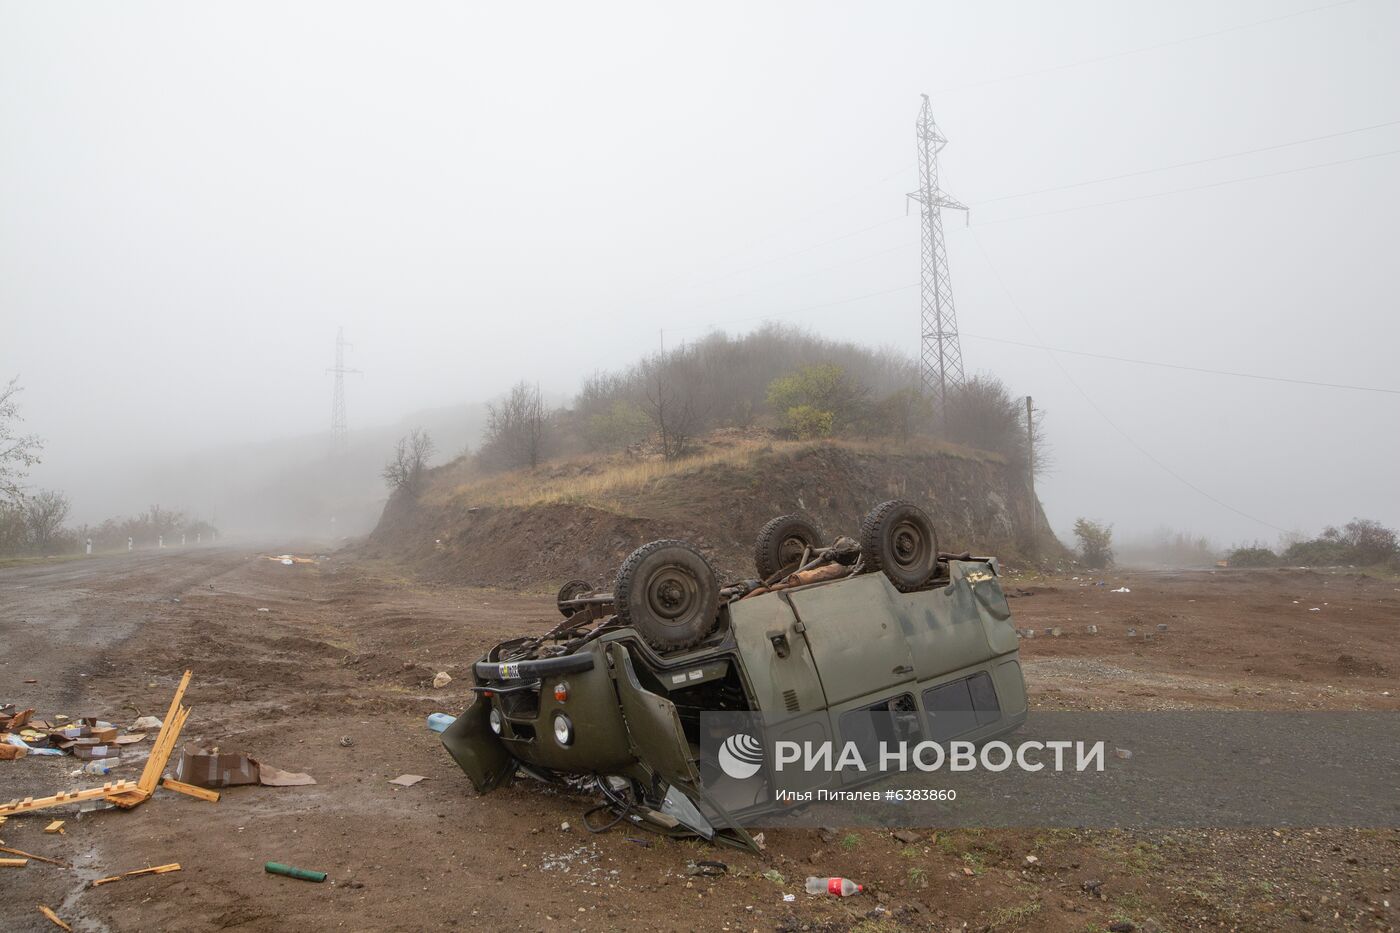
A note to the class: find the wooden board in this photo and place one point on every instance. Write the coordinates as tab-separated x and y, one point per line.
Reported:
203	793
27	804
54	919
158	870
13	862
55	827
37	858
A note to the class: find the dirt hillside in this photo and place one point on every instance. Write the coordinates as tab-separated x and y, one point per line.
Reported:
580	518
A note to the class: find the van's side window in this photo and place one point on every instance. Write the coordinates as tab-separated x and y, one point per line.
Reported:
890	721
959	707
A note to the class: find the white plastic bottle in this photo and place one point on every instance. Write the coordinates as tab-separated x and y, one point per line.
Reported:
841	887
101	765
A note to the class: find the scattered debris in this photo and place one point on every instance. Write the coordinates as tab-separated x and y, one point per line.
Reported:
1161	626
408	780
157	870
1091	629
346	741
289	559
146	724
442	679
907	836
1121	589
291	871
53	917
1122	753
438	722
1092	888
707	867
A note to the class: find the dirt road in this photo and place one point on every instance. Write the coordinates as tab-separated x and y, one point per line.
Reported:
334	678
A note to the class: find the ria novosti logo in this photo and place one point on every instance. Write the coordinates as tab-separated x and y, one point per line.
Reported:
741	756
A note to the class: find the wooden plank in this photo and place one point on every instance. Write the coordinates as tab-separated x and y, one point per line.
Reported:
203	793
158	870
53	918
30	855
160	753
62	797
55	827
13	862
150	776
37	858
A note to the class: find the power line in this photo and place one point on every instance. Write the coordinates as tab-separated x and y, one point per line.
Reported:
1136	51
1103	414
1181	366
1215	184
1166	168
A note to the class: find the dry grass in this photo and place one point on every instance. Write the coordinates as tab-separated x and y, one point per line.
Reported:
607	481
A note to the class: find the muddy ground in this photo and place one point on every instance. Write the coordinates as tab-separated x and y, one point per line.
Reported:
335	679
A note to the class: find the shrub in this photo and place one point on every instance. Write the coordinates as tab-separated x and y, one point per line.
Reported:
1095	542
1253	557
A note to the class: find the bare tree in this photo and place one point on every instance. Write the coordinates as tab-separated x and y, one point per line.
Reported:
18	452
410	461
671	400
515	428
44	515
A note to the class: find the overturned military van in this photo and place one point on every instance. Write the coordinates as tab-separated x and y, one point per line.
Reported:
611	699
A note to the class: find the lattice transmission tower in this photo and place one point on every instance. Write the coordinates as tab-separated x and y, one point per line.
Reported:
940	352
340	431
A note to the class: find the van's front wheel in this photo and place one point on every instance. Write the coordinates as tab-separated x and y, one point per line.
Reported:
668	592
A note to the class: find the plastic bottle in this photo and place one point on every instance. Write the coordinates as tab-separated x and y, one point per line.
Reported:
841	887
440	721
101	765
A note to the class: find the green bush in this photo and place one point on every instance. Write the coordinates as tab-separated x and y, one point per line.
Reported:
1252	557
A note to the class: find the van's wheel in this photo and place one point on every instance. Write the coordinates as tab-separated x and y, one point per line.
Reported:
668	592
571	590
897	537
781	543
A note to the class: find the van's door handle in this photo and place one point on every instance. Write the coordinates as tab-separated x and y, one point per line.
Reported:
904	669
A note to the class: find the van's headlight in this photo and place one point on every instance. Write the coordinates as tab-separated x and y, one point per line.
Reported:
563	729
495	720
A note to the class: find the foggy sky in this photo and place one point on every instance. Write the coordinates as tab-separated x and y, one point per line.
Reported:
194	197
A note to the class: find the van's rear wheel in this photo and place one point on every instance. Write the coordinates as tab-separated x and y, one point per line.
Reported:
897	537
569	591
781	543
668	592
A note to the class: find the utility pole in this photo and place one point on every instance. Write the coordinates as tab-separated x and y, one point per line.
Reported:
1030	462
940	352
340	432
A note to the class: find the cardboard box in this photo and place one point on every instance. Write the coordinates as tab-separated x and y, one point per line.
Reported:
204	768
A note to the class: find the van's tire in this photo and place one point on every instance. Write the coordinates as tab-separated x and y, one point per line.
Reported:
897	537
571	590
781	542
668	592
